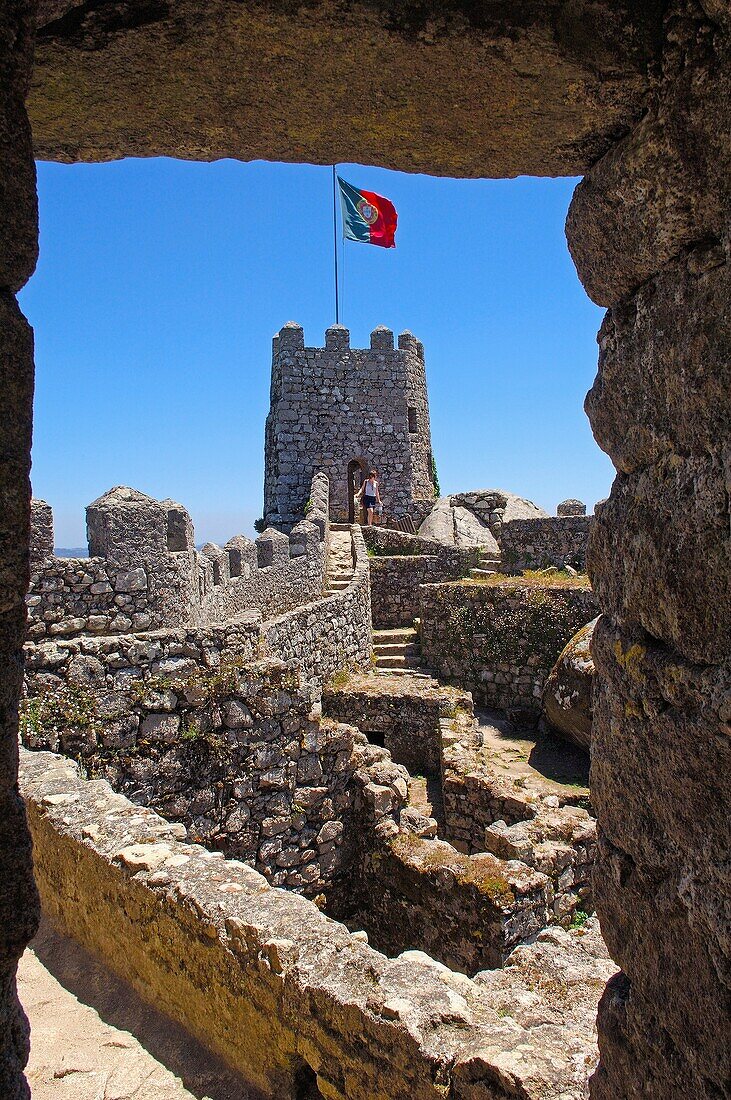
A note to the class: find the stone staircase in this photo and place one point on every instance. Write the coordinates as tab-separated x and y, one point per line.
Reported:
398	652
340	558
488	565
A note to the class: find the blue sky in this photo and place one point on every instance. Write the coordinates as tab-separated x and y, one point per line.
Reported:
160	284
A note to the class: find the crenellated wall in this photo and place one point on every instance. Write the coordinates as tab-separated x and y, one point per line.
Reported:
145	573
340	409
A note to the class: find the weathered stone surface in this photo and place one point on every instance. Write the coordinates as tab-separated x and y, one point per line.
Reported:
567	696
283	993
660	553
664	380
476	518
18	899
557	82
667	183
457	526
661	751
18	205
571	507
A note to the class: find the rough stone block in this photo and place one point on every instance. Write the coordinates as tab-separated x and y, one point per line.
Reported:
660	553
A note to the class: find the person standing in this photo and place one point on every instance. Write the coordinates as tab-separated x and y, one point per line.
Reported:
371	495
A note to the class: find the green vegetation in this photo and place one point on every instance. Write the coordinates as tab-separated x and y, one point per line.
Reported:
260	525
435	477
578	918
338	680
56	711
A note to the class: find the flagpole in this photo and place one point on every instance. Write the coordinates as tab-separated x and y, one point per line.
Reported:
335	251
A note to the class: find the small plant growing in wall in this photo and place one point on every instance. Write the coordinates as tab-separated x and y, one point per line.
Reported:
435	477
259	525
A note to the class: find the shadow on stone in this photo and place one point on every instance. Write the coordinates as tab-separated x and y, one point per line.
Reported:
202	1073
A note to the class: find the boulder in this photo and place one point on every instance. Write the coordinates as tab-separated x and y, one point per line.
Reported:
455	526
567	696
475	518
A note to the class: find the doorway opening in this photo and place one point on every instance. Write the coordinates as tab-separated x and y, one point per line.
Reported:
356	470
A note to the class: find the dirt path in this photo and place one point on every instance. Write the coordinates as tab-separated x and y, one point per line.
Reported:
547	764
92	1038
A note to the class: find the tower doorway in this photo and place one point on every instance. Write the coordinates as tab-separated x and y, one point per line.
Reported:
355	478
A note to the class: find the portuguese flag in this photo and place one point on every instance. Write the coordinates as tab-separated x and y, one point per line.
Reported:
367	217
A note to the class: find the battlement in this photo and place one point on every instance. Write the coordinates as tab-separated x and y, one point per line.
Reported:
144	572
291	337
344	410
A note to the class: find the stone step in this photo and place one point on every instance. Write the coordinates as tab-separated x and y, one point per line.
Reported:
489	559
400	634
337	586
392	649
480	574
398	661
339	526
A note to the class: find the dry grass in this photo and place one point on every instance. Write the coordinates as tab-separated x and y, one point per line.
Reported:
534	578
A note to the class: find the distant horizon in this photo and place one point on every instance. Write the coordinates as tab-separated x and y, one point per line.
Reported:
160	284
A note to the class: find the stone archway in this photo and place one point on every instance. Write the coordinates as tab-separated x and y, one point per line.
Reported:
636	95
356	472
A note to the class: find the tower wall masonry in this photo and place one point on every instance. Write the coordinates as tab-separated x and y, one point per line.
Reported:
344	410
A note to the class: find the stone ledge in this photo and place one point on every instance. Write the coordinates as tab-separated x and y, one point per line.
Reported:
274	986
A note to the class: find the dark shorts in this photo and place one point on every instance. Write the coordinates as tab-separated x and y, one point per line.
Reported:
369	502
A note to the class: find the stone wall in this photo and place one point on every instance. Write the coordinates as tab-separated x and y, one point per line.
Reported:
233	750
336	406
500	641
404	716
486	809
400	563
648	229
18	252
431	730
287	996
468	912
145	573
332	634
539	543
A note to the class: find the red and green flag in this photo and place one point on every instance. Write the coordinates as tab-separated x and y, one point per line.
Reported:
367	217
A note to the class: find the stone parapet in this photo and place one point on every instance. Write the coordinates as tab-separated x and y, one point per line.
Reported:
117	877
332	633
145	573
556	541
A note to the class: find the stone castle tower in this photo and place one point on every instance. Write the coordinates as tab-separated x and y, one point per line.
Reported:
342	410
